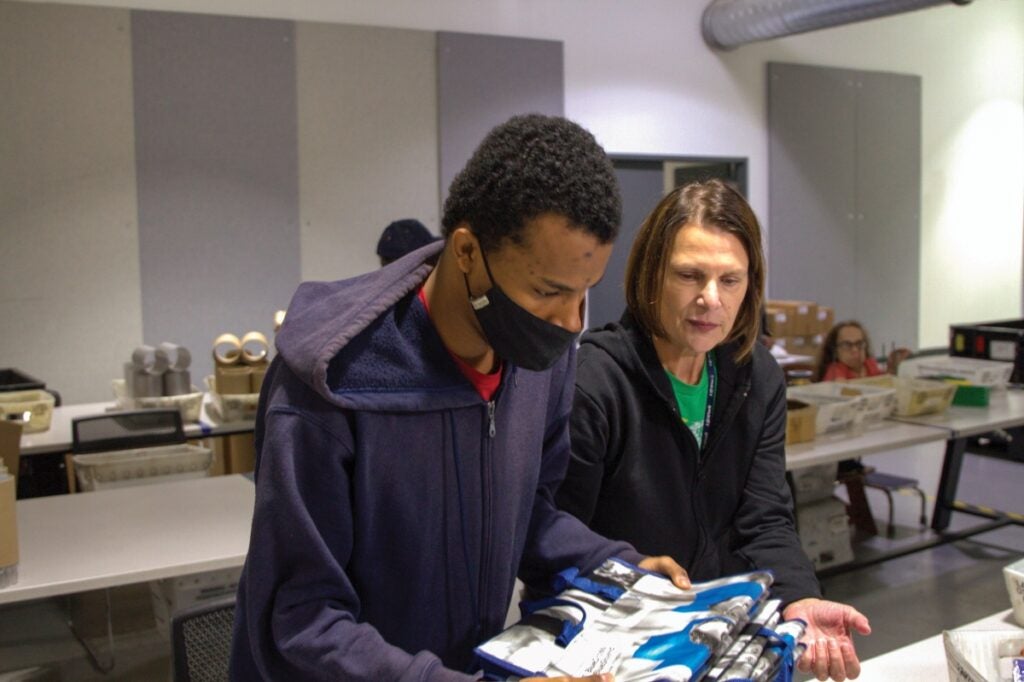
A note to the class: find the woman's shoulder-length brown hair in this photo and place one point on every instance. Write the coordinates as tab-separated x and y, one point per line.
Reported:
711	203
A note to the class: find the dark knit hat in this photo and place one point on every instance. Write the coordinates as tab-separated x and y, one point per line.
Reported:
403	236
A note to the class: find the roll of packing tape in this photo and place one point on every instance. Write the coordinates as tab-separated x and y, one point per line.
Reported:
178	357
129	378
149	360
177	382
227	349
146	385
254	348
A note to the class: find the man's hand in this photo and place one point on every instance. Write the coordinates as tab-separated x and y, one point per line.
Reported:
668	567
829	637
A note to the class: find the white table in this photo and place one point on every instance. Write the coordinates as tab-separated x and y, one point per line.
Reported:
57	439
1005	410
881	437
925	661
107	538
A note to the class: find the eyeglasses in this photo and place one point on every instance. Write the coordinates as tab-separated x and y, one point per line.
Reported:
852	345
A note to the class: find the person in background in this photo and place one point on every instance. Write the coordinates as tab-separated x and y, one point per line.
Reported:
846	354
679	419
414	426
402	237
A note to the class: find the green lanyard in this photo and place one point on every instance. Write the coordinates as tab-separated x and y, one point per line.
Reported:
712	386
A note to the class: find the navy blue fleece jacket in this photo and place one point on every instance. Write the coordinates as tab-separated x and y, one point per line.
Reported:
394	506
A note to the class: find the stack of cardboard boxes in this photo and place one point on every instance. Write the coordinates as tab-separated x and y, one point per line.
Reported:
799	326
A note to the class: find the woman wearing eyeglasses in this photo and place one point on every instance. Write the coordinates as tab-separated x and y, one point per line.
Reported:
846	354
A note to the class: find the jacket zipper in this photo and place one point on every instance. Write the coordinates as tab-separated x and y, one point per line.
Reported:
734	407
486	475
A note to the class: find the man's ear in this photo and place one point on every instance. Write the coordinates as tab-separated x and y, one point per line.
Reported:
465	246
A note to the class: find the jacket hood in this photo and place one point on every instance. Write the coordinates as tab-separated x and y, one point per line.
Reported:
402	363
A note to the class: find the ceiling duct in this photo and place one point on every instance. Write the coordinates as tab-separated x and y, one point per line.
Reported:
730	23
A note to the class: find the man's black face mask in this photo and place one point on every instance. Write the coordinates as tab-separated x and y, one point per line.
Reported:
516	334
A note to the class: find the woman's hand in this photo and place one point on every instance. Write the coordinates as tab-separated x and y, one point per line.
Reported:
829	637
896	356
668	567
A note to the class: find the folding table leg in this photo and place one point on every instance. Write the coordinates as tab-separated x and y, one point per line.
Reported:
93	657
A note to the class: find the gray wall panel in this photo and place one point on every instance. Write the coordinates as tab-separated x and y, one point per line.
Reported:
367	103
889	205
482	81
215	123
642	184
812	209
70	306
845	193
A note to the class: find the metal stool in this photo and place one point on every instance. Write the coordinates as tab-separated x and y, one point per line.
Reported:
890	482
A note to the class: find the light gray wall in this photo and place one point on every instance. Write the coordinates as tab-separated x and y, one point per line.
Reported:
172	176
645	83
845	194
368	141
485	79
70	306
215	122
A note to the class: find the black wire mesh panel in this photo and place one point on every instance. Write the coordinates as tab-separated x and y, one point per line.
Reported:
202	643
126	430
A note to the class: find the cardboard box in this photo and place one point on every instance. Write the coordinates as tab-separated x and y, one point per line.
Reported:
779	325
237	452
258	372
801	316
826	319
10	446
814	483
801	418
233	380
824	532
174	595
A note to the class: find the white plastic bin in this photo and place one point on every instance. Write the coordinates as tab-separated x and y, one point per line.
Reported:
975	655
916	396
122	468
873	402
189	404
979	372
34	409
835	412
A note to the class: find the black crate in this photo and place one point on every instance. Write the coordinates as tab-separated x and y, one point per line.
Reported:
1002	340
15	380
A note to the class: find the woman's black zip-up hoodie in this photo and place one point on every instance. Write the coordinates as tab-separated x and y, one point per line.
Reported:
637	474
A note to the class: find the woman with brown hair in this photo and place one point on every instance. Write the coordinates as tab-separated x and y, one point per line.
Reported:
846	354
679	419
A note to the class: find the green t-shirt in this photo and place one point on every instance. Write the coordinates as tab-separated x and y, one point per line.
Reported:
692	401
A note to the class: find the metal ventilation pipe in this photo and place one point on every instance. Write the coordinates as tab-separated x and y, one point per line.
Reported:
729	23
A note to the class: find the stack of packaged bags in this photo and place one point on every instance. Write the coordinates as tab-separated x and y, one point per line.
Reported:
637	625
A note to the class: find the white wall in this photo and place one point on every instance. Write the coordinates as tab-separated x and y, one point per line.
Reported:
641	78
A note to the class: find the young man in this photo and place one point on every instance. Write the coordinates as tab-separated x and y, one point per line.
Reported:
414	426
